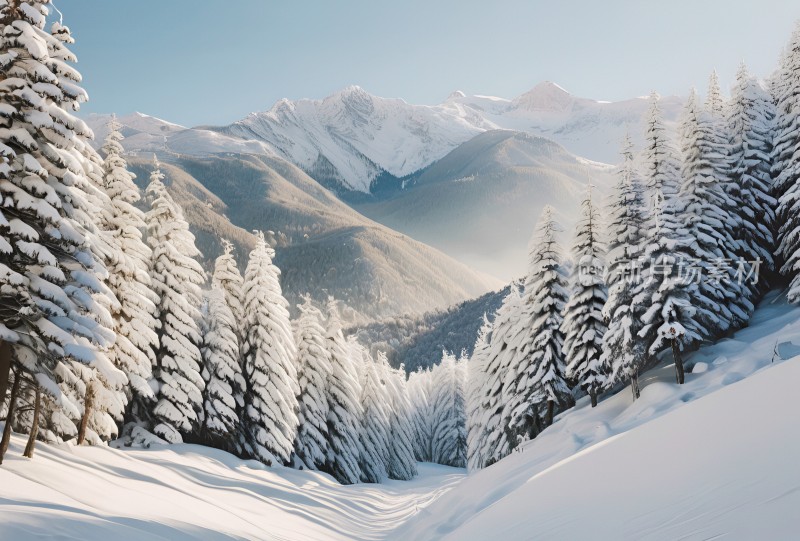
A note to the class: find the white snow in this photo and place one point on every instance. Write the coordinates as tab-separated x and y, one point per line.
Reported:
716	457
184	492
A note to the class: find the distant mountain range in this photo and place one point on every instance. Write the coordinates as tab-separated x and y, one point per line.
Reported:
354	141
466	178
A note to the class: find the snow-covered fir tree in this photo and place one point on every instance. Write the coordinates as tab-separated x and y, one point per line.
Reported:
659	158
476	376
270	418
583	324
344	393
313	373
401	464
623	352
376	403
536	377
103	399
715	102
704	216
418	392
176	278
786	166
223	396
227	275
135	320
666	289
751	124
48	270
492	444
449	434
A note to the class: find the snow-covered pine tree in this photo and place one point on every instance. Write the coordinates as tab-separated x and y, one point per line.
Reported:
731	201
135	320
449	435
313	373
715	103
536	376
103	400
227	275
703	214
344	414
270	418
659	158
493	442
401	463
418	385
751	123
623	351
583	324
667	289
176	278
49	272
476	376
376	403
223	396
786	166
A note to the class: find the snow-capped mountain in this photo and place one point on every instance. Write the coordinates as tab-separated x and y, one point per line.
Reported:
480	202
144	133
352	138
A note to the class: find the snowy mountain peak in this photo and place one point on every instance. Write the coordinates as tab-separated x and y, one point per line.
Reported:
455	96
352	137
546	96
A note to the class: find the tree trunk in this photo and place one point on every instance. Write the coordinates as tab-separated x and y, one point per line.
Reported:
551	406
635	385
35	425
87	412
12	406
593	396
5	368
676	355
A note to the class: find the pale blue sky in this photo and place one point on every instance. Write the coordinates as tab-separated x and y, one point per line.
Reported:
213	61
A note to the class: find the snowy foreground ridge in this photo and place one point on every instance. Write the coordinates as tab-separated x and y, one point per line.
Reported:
716	457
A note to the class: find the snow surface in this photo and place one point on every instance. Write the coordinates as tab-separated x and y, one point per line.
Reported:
187	492
716	457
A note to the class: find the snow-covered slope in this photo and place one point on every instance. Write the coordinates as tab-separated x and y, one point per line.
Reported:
188	492
325	247
479	203
147	134
354	137
714	458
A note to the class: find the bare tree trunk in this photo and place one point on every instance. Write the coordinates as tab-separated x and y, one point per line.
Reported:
676	355
635	385
12	407
551	406
87	412
35	425
5	368
593	396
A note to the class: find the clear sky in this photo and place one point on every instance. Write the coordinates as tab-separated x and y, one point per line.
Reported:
213	61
